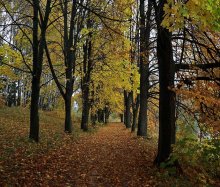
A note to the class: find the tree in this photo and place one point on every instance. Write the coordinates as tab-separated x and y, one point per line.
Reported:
166	82
204	14
191	16
70	34
128	104
14	62
145	28
87	71
38	52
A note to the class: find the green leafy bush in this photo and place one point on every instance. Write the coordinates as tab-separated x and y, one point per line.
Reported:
198	159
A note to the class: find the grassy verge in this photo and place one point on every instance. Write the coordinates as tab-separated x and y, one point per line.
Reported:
14	129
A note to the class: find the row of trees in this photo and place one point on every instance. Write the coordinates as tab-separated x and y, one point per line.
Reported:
65	45
176	48
150	60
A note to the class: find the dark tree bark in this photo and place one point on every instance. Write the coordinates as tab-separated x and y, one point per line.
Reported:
93	119
38	50
166	82
34	116
179	67
14	91
68	119
93	115
8	99
85	109
128	105
101	116
87	69
122	118
70	58
144	67
125	101
19	93
107	114
135	108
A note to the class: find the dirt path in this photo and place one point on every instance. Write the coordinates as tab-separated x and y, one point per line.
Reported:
110	157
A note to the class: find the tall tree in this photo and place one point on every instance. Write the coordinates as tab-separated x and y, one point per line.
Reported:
70	59
145	29
87	70
38	51
166	82
70	38
128	104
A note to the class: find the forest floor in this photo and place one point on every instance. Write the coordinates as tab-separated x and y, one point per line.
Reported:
109	156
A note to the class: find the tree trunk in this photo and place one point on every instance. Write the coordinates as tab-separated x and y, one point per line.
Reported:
70	59
38	51
87	70
93	119
14	91
68	118
35	88
9	96
125	101
128	110
144	67
34	115
122	118
93	115
107	114
69	91
101	117
166	82
85	109
135	107
19	93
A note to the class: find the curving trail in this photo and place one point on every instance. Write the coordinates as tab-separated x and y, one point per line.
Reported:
110	157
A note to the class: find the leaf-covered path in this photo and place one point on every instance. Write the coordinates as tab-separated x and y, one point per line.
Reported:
110	157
